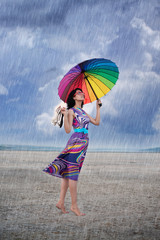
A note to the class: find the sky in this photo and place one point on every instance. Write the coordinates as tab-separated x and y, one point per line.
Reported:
41	40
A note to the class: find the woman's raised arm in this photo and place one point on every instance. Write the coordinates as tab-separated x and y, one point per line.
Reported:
96	121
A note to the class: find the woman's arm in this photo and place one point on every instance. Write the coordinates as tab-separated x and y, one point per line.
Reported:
96	121
68	119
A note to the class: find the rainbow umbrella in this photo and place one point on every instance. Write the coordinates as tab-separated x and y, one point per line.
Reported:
96	77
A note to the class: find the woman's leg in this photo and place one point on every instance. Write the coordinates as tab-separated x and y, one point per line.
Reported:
64	187
73	192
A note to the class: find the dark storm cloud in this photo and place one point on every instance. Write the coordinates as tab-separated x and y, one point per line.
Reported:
33	13
39	13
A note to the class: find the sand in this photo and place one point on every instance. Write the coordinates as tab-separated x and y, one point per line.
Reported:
119	192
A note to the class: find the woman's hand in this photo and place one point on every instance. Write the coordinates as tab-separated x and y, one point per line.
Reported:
98	102
63	110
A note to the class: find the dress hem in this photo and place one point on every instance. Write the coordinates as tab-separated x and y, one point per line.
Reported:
59	176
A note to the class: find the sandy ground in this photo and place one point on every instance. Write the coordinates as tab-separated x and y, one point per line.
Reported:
119	192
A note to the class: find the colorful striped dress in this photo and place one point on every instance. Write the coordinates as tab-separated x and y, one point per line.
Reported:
69	162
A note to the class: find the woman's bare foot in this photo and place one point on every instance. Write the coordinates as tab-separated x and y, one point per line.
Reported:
77	211
61	207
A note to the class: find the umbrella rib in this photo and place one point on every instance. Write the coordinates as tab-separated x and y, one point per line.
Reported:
97	86
94	67
113	69
101	81
102	76
76	81
86	86
91	87
70	83
101	61
105	72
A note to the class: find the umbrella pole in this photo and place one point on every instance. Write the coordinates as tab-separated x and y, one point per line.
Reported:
100	104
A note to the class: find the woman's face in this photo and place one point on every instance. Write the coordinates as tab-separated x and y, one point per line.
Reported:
79	95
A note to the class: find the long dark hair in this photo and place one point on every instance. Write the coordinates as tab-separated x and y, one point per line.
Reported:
71	102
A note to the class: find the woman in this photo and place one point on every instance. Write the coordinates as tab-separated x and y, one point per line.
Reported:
69	163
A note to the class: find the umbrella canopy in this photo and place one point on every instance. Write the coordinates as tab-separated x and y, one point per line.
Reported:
96	77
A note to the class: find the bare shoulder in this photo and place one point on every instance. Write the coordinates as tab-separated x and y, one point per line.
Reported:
71	112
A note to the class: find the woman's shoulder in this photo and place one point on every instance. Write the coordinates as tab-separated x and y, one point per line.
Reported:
71	111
